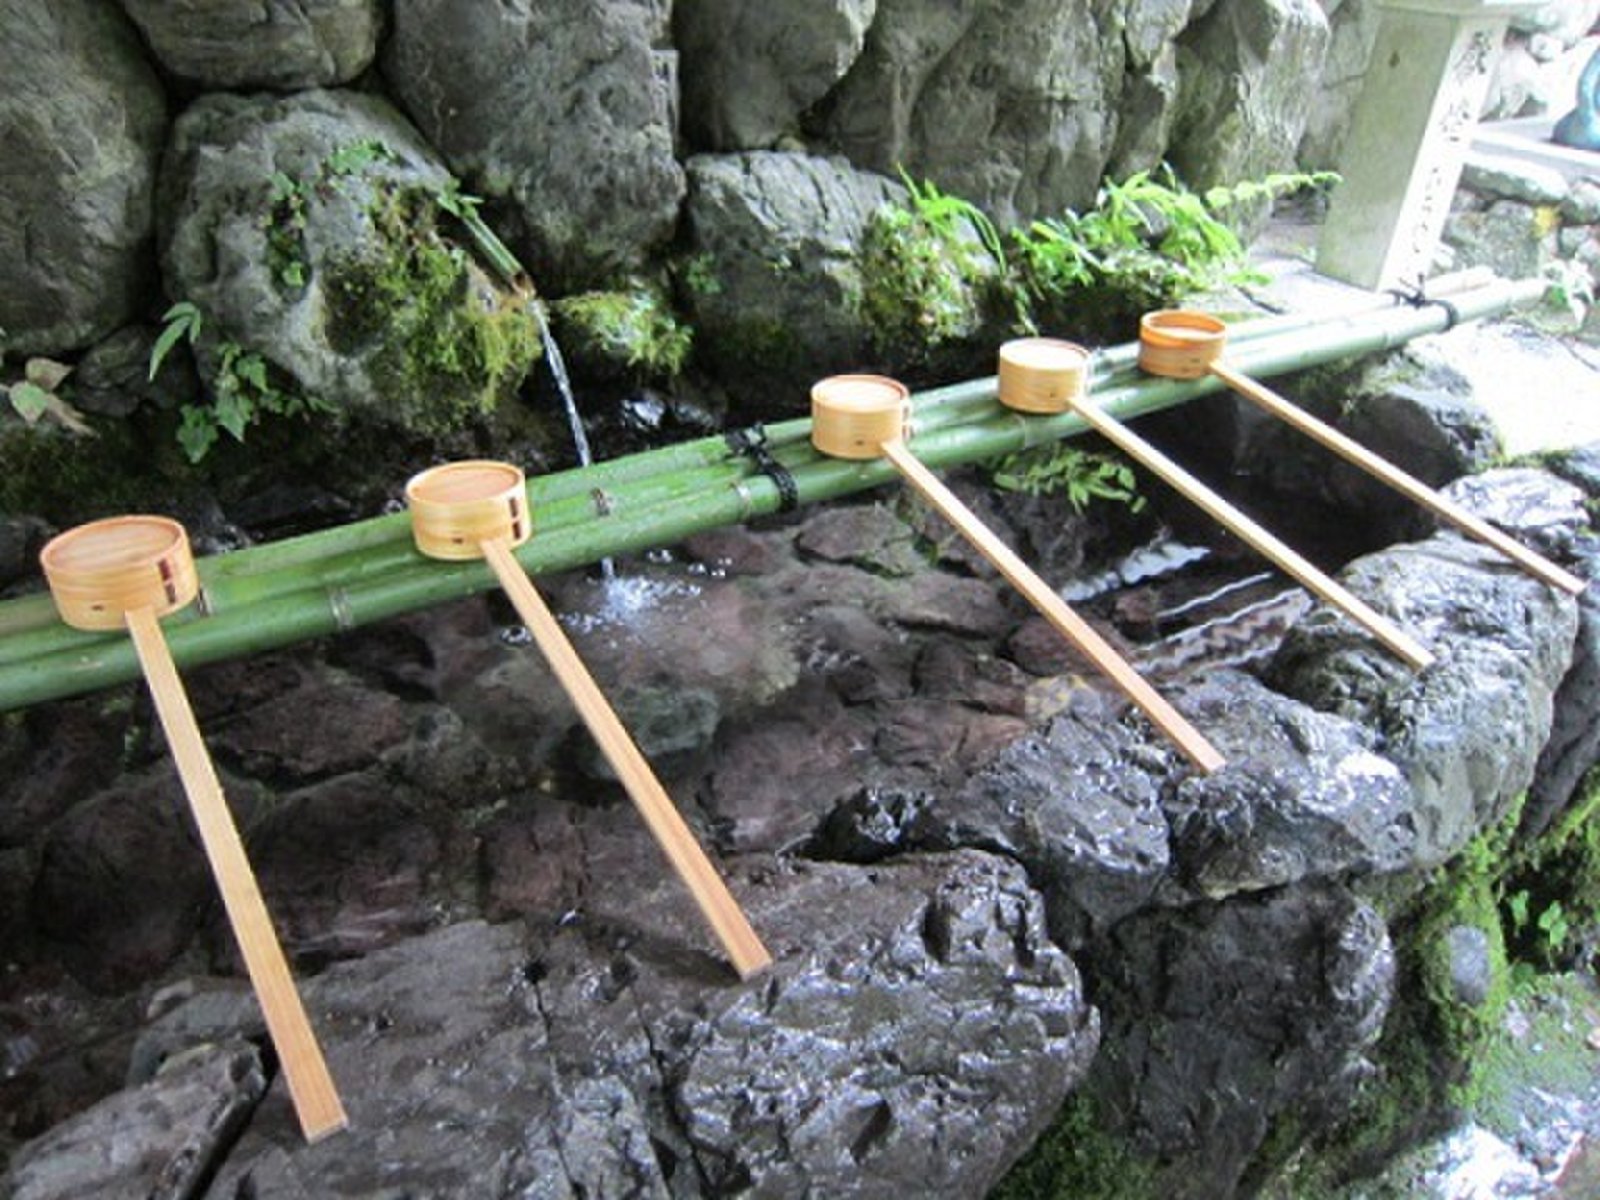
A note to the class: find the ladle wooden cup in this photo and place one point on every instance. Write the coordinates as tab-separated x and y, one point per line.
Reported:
468	510
131	571
867	417
1181	344
1193	356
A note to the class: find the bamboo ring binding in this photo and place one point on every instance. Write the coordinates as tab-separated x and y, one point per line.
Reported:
101	571
1180	344
1042	375
866	416
130	571
852	416
478	509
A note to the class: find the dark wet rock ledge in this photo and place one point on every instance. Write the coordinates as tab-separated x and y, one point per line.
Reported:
988	885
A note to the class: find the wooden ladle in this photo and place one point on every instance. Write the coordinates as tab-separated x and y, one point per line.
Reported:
1045	359
866	417
476	509
1181	344
129	572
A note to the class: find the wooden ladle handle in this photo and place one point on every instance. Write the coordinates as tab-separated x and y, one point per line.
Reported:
720	909
1296	565
311	1087
1385	471
1054	609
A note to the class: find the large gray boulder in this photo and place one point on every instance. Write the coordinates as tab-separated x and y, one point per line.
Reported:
1412	407
308	230
1244	100
1466	731
82	119
160	1140
565	111
750	70
916	1031
1574	745
777	282
1012	105
220	44
1303	797
1223	1019
1352	30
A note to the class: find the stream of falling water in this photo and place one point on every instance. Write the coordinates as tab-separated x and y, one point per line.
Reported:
569	402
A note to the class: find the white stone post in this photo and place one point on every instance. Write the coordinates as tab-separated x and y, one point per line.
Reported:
1413	121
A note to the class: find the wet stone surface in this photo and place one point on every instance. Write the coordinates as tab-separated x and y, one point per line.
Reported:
924	805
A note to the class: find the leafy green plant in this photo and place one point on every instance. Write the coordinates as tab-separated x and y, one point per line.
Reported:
286	227
699	276
243	391
182	322
1571	289
1083	476
36	396
949	217
1148	241
354	157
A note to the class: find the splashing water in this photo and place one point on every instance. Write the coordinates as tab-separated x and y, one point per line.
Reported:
627	599
569	402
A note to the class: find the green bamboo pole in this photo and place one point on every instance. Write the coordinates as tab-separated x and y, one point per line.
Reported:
329	601
223	577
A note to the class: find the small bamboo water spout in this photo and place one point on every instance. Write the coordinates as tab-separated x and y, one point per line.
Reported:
1046	360
866	417
129	572
469	510
1180	344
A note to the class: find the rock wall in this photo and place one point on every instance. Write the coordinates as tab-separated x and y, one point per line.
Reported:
581	124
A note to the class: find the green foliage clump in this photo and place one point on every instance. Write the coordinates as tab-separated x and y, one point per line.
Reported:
67	478
930	272
243	387
1551	889
630	331
243	390
1083	476
445	341
1146	243
1076	1159
936	269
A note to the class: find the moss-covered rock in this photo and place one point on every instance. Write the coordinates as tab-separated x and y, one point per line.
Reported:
321	235
441	339
1079	1159
631	332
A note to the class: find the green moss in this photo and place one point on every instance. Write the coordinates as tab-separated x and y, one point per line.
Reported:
1077	1159
631	331
66	478
1552	889
922	286
444	341
1432	1055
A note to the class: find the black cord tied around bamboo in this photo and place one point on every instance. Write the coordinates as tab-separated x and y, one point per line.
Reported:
752	444
1415	295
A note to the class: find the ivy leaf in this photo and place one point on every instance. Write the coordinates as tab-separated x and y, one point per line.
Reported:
196	432
253	370
46	373
29	400
234	413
